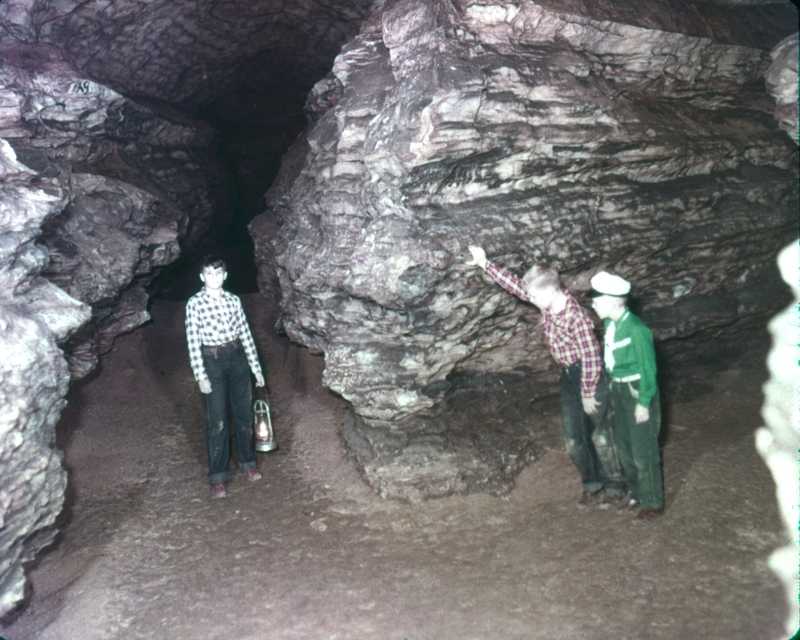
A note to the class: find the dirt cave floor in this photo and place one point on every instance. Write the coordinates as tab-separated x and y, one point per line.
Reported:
310	552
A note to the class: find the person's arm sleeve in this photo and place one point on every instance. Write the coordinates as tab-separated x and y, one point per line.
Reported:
195	343
508	281
646	358
247	340
591	360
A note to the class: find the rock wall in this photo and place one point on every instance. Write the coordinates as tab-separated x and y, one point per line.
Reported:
136	183
781	80
246	66
96	193
545	132
34	316
779	442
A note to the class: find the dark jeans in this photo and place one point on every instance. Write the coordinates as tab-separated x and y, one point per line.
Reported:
638	445
231	384
593	452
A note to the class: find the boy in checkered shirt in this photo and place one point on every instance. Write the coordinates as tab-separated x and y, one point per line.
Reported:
569	333
223	355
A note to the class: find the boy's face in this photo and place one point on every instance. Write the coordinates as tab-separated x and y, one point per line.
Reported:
213	277
607	306
542	297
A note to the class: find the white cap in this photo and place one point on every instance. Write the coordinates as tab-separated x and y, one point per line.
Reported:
606	284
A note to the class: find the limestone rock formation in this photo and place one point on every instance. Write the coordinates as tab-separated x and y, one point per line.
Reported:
779	442
246	66
34	316
87	203
96	192
782	84
135	183
625	137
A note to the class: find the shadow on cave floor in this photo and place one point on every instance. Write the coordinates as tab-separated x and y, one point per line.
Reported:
310	552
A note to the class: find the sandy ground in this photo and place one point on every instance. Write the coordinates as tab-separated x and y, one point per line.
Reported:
311	552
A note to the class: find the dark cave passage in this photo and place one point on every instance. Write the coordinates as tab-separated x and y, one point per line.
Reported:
250	142
249	145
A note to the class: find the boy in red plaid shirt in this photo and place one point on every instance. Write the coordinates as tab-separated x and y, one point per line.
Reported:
569	333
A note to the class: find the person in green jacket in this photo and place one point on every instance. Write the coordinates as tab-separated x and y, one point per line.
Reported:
630	359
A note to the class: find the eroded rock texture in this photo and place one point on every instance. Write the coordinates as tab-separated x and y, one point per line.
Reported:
135	183
634	136
246	66
779	442
782	84
95	194
34	316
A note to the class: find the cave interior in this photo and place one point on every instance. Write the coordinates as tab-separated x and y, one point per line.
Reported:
142	135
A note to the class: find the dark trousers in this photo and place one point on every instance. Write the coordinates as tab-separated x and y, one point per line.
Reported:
231	387
638	445
592	451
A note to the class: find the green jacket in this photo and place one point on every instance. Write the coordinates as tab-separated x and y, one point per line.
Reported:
631	353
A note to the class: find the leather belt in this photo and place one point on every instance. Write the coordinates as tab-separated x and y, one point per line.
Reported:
213	349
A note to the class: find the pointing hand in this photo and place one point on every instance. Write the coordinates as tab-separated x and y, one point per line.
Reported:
478	256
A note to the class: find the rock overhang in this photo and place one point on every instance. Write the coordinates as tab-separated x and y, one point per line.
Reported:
546	134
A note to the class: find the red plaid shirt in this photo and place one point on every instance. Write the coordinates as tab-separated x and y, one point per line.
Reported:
569	333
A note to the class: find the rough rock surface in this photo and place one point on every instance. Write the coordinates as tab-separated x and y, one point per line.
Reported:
100	103
782	84
95	194
135	182
192	52
544	132
779	442
246	66
34	316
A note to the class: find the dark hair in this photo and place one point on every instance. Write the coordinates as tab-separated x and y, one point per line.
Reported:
214	262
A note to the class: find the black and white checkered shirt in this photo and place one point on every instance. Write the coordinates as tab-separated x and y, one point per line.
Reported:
211	321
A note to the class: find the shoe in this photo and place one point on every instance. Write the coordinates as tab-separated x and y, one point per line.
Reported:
589	499
253	475
630	505
646	515
219	490
608	500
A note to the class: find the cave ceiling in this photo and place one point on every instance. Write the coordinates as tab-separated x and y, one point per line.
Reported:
245	66
194	53
252	62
